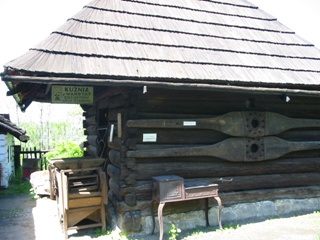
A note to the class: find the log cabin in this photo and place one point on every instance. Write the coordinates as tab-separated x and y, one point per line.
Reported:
205	90
8	164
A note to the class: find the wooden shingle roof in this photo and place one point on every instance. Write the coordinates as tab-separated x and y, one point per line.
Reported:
172	42
6	126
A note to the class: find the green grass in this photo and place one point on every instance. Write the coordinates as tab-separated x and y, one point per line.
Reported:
111	234
17	186
196	232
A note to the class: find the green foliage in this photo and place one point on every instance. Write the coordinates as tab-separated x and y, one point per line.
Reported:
100	233
173	232
50	134
17	186
231	227
111	234
196	232
65	149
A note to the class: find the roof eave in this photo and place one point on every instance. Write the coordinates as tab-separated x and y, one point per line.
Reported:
275	90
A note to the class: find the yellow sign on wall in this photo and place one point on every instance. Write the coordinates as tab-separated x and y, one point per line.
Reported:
72	94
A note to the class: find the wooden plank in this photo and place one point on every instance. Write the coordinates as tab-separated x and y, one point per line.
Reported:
93	225
84	202
65	190
119	125
84	194
103	186
84	189
74	217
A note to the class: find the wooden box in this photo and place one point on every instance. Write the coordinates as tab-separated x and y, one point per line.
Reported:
168	188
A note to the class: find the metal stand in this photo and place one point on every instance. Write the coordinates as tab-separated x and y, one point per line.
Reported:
190	191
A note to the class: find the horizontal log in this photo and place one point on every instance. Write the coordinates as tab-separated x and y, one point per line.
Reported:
112	113
112	91
228	199
271	181
301	135
117	101
218	96
118	173
134	114
233	149
174	136
103	103
194	106
167	103
143	189
203	167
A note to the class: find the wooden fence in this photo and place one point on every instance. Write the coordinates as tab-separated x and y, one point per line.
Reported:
32	160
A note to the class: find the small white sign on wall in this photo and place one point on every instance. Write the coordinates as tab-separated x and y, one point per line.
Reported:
189	123
149	137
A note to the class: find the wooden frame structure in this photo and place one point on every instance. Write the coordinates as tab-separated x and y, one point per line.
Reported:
81	196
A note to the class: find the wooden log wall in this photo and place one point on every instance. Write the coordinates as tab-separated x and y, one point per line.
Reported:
90	129
294	169
130	177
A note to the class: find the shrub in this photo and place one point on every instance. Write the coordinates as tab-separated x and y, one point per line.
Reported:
65	149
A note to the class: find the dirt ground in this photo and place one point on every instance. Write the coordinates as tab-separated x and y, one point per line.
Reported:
22	218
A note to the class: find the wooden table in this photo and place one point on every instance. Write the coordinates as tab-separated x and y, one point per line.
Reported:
172	188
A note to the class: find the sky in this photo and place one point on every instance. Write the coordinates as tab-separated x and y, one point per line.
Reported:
301	16
24	23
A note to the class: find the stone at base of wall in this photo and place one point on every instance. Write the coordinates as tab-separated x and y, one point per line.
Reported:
235	214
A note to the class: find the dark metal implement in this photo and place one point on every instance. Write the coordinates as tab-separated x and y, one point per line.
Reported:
172	188
238	124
